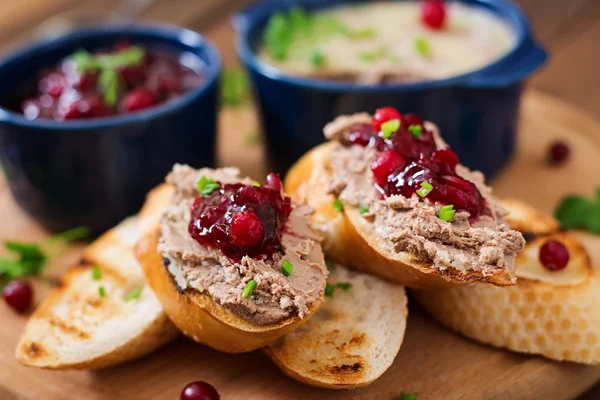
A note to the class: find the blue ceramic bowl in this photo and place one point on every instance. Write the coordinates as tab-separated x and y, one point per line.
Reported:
95	172
476	112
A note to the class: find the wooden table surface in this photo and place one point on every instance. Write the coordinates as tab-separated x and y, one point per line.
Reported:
569	29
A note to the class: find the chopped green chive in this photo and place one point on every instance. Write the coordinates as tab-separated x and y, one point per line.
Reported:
337	203
390	127
415	131
207	186
96	273
317	58
408	396
363	33
101	291
447	212
286	267
329	290
249	288
256	184
345	286
363	209
422	46
372	56
331	266
425	189
134	294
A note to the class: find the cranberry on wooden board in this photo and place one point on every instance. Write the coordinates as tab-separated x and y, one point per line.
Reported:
241	219
199	391
558	153
18	295
433	14
554	255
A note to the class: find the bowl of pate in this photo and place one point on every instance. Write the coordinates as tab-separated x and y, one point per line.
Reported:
461	64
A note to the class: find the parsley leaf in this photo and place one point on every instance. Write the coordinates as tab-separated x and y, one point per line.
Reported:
578	212
337	204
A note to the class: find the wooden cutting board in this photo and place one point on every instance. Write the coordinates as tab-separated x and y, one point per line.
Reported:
432	361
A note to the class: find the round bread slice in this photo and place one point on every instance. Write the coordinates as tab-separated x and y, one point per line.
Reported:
352	339
553	314
78	328
351	240
195	313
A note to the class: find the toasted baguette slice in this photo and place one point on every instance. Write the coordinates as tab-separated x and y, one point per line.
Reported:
195	313
351	340
350	240
553	314
76	328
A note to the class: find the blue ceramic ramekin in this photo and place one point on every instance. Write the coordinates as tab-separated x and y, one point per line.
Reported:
95	172
476	112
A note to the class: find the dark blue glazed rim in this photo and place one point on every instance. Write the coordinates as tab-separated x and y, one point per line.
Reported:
496	74
188	40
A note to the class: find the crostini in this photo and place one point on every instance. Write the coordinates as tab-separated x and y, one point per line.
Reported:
392	199
234	263
103	313
553	310
352	339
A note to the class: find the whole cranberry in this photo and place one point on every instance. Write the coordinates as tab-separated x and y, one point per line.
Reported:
383	115
386	163
246	229
558	153
433	13
18	295
86	81
273	181
411	119
554	255
138	99
199	391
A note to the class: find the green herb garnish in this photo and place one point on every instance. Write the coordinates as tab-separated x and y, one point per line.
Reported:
425	189
278	36
362	209
331	266
372	56
337	203
255	184
106	65
329	289
134	294
206	186
101	291
28	259
249	288
422	46
361	33
286	267
447	212
345	286
234	87
390	127
317	58
96	273
415	131
408	396
579	212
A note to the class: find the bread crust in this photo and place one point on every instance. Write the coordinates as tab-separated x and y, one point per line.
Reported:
350	240
194	313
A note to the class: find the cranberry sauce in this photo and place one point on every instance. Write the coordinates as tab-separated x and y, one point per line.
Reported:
83	87
242	220
410	157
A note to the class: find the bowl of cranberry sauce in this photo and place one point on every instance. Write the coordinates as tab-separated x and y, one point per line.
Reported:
122	79
92	120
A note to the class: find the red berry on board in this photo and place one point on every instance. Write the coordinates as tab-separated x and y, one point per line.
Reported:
554	256
138	99
386	163
18	295
433	13
558	153
199	391
246	229
383	115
